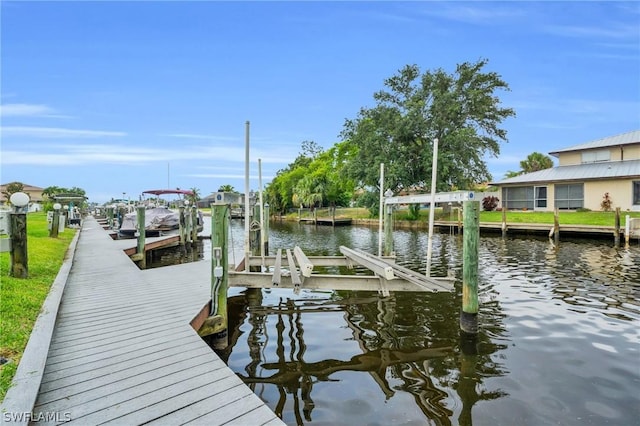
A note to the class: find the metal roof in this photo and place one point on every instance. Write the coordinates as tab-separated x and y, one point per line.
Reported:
603	170
622	139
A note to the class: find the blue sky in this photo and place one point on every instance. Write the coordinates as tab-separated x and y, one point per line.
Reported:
121	97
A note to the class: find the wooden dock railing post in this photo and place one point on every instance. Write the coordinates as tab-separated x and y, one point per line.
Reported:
556	226
469	313
141	234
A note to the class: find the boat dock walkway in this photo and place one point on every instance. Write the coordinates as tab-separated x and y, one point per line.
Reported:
120	349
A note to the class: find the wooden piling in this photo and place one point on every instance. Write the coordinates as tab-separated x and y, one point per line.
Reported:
616	228
18	254
627	230
556	226
141	235
55	224
266	230
469	313
219	278
182	225
388	230
194	225
504	222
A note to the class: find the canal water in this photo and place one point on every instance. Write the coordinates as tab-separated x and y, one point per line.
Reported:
559	339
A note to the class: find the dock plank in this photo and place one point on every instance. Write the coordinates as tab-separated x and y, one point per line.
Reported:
122	350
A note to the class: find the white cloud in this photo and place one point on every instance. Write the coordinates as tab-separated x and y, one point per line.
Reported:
56	132
29	110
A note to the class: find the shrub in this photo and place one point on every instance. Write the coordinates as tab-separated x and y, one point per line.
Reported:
606	202
489	203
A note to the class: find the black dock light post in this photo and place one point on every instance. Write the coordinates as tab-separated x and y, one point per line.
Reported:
55	223
18	230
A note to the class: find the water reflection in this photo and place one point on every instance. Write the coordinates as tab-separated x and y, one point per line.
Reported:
558	339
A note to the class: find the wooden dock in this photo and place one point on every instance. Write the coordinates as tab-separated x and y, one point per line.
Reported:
122	350
326	221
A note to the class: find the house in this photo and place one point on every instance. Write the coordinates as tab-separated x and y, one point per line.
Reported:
585	173
34	193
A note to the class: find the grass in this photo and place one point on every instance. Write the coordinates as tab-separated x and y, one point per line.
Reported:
21	299
593	218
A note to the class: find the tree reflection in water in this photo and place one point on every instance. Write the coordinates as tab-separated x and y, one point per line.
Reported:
397	344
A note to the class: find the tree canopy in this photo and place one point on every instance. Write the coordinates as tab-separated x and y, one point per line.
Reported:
533	163
461	109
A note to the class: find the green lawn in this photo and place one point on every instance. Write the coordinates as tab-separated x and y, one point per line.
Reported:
568	218
21	299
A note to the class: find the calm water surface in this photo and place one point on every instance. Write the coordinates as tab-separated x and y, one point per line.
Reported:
559	341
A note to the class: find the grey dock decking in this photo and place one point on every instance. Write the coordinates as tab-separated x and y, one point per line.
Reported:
123	352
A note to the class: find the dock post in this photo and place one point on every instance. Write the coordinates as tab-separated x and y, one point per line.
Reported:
627	230
141	233
469	313
18	253
55	224
182	225
265	235
388	230
556	226
194	225
504	222
219	273
460	225
616	228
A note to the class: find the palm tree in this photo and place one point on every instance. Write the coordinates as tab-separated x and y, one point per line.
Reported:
535	162
195	196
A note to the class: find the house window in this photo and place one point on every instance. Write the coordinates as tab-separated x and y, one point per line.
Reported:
517	197
570	196
636	192
541	197
596	156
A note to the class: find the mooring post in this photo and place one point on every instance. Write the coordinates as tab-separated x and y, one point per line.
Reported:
616	228
110	216
556	226
388	230
627	230
18	254
469	313
194	225
219	272
504	222
182	225
265	235
55	223
460	225
141	234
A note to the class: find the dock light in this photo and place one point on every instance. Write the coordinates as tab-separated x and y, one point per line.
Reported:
19	200
186	203
57	206
388	193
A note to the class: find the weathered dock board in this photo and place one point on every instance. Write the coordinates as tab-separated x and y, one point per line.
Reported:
123	352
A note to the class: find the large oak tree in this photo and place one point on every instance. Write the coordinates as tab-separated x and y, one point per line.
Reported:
461	109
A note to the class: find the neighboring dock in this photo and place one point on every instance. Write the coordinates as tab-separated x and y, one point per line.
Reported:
123	350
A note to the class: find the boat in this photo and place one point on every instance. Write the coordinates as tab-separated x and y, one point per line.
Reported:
158	220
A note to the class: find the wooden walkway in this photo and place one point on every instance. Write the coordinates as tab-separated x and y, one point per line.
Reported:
123	351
